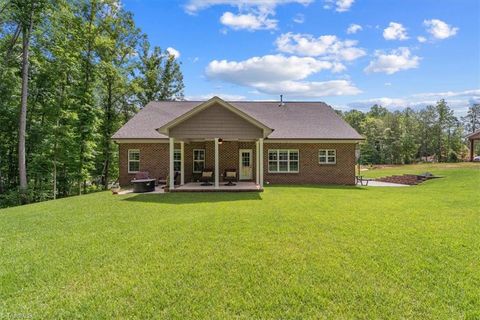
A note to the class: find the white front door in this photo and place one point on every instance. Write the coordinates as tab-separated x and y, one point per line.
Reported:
246	164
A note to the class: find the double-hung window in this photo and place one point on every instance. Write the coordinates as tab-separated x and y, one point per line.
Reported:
133	160
177	160
327	156
198	160
282	160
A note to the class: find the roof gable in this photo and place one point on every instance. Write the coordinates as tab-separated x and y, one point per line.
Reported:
213	102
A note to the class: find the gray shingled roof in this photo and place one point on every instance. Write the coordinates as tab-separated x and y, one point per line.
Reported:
295	120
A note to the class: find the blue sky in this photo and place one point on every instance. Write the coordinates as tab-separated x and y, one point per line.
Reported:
348	53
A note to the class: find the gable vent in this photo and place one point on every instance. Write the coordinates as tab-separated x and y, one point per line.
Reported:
281	104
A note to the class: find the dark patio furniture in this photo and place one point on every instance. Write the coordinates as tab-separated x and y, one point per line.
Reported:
207	177
164	182
143	183
230	176
363	181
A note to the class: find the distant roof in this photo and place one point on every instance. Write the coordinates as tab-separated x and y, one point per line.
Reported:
294	120
474	136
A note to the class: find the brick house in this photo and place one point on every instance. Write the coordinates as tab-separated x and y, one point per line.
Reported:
266	142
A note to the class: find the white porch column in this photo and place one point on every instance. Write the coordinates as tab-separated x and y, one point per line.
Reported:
171	172
257	162
182	166
217	167
260	142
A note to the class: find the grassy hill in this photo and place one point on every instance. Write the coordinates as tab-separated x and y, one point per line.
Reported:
289	252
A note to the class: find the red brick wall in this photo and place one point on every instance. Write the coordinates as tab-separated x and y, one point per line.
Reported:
310	171
154	158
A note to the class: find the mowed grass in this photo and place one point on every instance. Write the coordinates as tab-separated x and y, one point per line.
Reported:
291	252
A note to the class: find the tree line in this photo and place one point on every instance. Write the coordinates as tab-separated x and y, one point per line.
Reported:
432	133
72	72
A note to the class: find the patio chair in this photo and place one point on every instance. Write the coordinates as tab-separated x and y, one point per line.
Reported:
230	176
164	182
207	177
141	175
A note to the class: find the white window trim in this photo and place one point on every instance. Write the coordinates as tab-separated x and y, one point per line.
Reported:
288	161
130	160
193	158
326	156
179	161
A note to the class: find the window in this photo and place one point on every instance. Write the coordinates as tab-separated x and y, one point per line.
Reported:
283	160
198	160
133	160
327	156
177	160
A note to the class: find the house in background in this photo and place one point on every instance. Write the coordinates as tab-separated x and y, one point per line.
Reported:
266	142
475	136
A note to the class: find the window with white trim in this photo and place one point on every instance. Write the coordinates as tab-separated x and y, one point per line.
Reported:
198	160
133	160
282	160
177	160
327	156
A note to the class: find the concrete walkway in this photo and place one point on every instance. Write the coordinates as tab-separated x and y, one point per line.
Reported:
385	184
158	190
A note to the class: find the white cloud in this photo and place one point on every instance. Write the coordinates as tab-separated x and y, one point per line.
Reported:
267	68
354	28
174	52
396	60
444	94
383	101
457	100
421	39
339	5
395	31
309	89
225	96
299	18
439	29
275	74
328	46
252	15
248	21
193	6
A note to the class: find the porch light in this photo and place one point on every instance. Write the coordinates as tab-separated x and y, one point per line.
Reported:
220	141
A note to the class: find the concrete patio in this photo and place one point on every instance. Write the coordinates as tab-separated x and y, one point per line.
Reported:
241	186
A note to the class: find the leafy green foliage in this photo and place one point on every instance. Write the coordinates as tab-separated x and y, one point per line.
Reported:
83	85
408	136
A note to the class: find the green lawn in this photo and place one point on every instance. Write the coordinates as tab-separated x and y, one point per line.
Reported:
287	253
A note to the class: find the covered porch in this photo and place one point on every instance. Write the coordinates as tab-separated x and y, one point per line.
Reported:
215	137
189	158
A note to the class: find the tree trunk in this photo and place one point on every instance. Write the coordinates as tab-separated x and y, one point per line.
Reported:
1	178
22	170
108	126
85	99
54	173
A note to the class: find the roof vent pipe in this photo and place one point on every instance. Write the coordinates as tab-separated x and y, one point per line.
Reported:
281	104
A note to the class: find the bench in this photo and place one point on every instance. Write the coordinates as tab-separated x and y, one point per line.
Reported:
363	181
